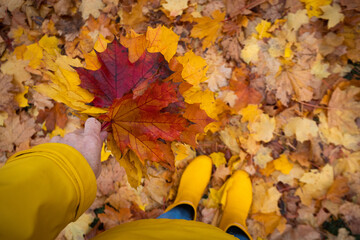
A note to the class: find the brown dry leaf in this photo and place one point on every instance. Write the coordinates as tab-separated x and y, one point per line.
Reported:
17	129
111	175
40	101
7	92
111	218
351	215
56	116
245	93
304	232
91	7
295	81
220	175
233	7
338	189
232	48
134	18
69	26
344	109
156	187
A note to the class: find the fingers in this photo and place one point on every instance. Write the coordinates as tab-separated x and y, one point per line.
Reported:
92	127
55	139
103	135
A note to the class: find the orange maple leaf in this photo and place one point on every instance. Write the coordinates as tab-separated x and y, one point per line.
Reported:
139	124
208	28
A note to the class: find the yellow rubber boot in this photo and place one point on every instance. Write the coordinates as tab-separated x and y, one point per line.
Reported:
193	183
238	199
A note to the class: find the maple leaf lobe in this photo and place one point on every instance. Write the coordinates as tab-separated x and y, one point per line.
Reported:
117	75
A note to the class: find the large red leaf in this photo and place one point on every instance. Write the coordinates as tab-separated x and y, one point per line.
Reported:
117	75
139	124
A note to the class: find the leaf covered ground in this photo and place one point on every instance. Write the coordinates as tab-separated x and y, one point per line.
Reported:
267	86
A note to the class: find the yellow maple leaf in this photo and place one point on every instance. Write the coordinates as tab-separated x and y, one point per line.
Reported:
250	113
336	136
105	154
92	61
228	136
270	221
265	198
208	28
182	152
332	14
20	97
303	129
135	43
218	158
56	132
348	164
101	43
64	86
320	69
34	54
295	20
316	184
19	51
313	6
194	68
250	51
262	29
50	44
175	7
262	128
163	40
16	68
206	99
91	7
263	156
282	164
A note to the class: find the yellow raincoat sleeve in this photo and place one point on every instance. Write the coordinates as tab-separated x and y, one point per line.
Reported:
42	190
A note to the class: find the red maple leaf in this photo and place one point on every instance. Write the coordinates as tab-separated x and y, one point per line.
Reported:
117	75
146	111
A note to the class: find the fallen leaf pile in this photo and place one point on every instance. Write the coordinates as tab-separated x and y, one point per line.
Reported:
269	87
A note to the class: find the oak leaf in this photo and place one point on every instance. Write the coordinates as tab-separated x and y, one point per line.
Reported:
117	75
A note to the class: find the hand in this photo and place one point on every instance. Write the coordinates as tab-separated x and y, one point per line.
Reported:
88	142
